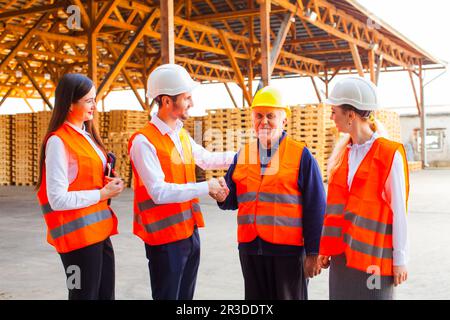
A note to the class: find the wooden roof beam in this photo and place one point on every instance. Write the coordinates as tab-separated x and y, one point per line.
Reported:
22	42
115	69
357	59
36	85
391	51
33	10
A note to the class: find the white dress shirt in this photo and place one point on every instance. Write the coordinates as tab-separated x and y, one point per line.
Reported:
61	170
146	162
394	194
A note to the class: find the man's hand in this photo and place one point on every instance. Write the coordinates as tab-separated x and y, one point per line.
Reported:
312	267
218	189
324	261
400	275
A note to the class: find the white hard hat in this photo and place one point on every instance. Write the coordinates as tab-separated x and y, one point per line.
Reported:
170	79
355	91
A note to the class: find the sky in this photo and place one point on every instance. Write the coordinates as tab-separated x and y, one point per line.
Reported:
426	27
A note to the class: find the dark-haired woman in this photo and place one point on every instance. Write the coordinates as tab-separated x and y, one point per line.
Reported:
73	192
364	238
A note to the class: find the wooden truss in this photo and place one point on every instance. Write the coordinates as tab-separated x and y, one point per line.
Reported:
119	42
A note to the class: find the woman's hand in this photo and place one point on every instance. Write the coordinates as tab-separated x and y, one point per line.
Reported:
113	188
400	275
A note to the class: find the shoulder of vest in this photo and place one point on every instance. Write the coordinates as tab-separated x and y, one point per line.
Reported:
296	143
388	145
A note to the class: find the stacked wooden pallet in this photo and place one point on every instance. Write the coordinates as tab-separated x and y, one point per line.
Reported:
42	121
5	149
226	130
127	120
311	124
194	126
24	155
391	121
122	125
103	124
414	166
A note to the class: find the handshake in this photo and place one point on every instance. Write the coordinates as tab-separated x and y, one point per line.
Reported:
218	189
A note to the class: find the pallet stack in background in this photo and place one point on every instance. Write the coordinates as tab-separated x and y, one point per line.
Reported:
24	155
391	121
122	125
42	122
103	124
311	124
229	129
5	150
226	130
194	126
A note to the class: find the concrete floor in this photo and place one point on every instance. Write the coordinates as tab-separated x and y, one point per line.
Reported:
31	269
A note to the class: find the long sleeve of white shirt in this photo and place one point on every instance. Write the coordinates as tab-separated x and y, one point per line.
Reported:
394	194
146	162
208	160
61	170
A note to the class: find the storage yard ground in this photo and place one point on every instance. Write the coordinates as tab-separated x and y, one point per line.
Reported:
30	269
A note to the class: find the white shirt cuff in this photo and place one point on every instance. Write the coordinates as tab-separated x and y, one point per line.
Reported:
400	258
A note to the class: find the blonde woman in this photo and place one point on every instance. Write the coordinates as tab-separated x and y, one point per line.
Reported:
364	239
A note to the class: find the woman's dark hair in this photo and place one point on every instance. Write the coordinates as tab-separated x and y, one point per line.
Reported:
362	113
70	89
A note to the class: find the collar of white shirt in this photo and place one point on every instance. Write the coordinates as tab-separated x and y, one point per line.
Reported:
365	144
163	127
82	130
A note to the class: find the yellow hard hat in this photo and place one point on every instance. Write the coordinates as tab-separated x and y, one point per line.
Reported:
270	97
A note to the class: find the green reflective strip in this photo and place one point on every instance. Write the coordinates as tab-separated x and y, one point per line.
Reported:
328	231
279	221
368	224
146	205
368	249
196	207
46	208
335	209
80	223
279	198
246	219
247	197
169	221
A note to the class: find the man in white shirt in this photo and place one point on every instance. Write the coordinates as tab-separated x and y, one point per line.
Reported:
166	208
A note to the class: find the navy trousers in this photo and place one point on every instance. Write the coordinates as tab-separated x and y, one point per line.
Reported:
173	268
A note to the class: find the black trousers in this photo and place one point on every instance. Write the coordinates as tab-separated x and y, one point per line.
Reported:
273	277
173	268
90	272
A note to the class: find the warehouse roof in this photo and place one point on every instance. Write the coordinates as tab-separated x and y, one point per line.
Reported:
118	41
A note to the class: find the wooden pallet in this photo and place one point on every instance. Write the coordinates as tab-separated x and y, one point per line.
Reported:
414	166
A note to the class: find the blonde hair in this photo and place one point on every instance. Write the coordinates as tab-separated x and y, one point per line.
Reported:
337	155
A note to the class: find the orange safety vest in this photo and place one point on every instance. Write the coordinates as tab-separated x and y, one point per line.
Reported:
165	223
270	203
68	230
358	222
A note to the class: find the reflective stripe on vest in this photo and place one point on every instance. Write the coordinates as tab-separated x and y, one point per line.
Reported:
280	221
385	253
80	223
270	197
